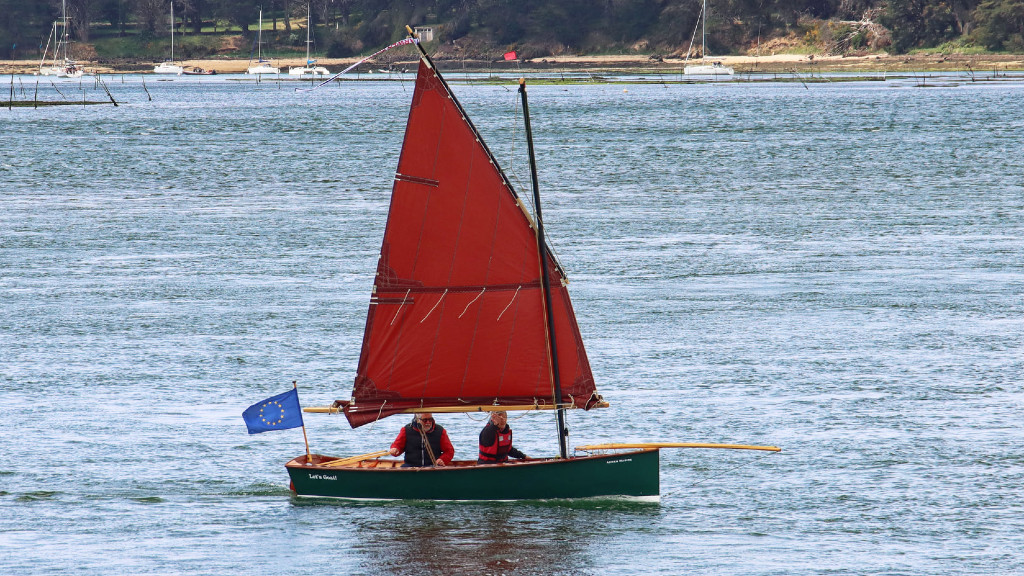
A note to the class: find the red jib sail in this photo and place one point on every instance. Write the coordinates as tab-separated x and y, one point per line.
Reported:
457	314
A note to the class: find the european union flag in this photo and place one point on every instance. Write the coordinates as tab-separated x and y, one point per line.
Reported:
275	413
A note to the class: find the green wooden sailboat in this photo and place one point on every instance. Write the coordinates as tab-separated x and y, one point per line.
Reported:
470	312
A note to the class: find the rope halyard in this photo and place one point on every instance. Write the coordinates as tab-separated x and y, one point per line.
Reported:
379	412
512	144
525	412
426	444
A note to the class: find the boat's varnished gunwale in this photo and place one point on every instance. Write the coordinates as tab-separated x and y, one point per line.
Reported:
634	474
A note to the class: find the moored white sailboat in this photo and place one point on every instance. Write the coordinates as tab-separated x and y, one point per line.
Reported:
310	69
61	66
168	66
706	67
50	69
262	66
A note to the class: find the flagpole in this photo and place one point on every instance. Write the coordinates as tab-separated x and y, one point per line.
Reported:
309	458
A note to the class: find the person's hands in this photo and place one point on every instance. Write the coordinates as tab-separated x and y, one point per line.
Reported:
393	451
440	463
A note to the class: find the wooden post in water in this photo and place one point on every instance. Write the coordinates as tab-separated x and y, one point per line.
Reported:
107	90
542	249
58	90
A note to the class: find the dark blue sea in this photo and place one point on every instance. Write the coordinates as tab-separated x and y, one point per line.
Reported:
836	268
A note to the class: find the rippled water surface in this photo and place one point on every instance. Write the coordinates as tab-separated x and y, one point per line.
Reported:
837	269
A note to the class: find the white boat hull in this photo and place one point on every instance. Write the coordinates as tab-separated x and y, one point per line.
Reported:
168	68
263	70
708	70
308	71
70	69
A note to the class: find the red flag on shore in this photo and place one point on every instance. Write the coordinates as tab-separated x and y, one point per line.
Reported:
510	55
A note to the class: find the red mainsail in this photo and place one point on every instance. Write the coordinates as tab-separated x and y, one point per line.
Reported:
457	313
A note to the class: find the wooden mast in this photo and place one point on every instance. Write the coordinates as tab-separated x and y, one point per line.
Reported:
542	249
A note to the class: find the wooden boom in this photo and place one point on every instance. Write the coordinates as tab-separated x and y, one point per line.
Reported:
675	445
455	409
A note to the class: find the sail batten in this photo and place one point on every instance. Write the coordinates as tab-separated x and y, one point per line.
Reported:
457	312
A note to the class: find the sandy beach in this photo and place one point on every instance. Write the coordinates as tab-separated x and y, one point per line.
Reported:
780	63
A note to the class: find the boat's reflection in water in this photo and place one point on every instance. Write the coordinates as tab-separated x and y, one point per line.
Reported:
532	537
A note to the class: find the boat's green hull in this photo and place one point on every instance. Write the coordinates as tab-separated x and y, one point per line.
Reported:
629	474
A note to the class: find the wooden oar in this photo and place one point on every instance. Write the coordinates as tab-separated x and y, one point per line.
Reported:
675	445
354	459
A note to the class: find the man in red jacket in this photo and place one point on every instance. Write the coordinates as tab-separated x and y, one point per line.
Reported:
424	442
496	441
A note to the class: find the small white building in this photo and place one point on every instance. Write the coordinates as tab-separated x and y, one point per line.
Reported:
426	33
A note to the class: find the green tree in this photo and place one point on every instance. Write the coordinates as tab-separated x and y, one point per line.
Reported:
1001	24
24	27
919	23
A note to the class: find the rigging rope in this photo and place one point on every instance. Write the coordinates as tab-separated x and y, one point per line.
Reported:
426	444
379	412
514	176
694	35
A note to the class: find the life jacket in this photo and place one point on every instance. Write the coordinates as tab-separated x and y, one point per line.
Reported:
415	452
498	450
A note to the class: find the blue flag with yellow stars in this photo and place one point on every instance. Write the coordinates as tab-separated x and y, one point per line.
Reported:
275	413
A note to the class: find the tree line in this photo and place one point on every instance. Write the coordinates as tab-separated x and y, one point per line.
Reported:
537	27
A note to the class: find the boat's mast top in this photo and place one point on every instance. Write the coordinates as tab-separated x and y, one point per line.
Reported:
703	39
64	32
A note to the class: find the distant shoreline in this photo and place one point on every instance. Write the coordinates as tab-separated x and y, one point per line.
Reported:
776	63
